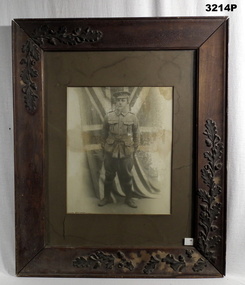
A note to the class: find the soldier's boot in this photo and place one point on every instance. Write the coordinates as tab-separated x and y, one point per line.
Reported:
129	193
130	202
107	196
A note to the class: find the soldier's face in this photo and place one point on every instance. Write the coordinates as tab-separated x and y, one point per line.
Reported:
121	103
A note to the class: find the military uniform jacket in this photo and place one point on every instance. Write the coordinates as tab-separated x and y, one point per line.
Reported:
120	134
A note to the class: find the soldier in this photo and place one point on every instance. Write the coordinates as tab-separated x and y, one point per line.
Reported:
120	142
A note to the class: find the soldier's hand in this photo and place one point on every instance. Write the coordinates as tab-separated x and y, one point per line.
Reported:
134	153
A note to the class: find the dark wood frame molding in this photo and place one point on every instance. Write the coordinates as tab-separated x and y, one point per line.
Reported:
208	37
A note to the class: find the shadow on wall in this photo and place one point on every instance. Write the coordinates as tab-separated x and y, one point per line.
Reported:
7	244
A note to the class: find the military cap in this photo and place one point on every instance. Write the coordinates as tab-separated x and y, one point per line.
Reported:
121	94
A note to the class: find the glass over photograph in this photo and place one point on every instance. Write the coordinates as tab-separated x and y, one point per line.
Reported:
119	150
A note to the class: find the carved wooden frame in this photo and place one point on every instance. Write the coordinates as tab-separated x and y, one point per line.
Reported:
31	39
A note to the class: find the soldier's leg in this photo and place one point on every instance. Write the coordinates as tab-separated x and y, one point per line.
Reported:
110	173
126	177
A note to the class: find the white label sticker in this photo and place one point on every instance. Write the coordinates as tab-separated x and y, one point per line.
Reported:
188	241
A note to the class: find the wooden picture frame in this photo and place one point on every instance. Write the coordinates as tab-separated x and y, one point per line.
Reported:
207	37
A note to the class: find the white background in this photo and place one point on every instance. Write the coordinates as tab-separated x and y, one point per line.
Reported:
10	9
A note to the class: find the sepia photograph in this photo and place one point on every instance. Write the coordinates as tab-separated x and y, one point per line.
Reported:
119	150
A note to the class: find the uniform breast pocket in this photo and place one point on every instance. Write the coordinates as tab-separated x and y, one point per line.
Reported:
113	126
128	127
